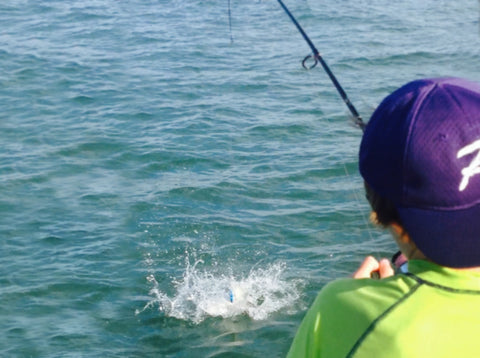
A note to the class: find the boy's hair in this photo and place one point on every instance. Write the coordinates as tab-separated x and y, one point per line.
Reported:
386	212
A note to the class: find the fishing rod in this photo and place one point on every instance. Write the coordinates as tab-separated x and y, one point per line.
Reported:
318	58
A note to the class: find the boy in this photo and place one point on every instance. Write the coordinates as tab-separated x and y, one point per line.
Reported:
420	159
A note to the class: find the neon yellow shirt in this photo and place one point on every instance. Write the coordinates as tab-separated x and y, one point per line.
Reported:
432	311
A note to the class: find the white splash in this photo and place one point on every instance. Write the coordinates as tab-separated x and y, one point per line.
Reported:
200	294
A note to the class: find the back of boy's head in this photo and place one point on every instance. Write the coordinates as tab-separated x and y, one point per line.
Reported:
421	151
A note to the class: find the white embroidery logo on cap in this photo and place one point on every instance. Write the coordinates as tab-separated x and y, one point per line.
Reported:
474	167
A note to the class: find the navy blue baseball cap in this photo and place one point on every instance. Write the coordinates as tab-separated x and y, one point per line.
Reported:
421	150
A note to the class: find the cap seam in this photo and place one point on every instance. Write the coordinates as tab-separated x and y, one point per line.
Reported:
441	208
457	103
406	156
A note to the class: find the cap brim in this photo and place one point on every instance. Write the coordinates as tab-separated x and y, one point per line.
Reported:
449	238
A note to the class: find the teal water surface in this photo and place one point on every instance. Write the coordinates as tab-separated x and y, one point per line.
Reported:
166	192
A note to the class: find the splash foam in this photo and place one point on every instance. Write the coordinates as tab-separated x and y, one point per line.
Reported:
201	294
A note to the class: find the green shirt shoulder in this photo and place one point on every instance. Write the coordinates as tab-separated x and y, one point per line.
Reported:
401	316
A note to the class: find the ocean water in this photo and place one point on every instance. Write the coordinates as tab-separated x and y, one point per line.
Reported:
171	187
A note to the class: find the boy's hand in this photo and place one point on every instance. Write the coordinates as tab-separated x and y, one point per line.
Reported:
370	267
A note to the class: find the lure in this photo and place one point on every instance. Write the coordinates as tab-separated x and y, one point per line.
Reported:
318	58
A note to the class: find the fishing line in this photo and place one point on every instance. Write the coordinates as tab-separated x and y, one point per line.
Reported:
356	117
230	21
318	58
